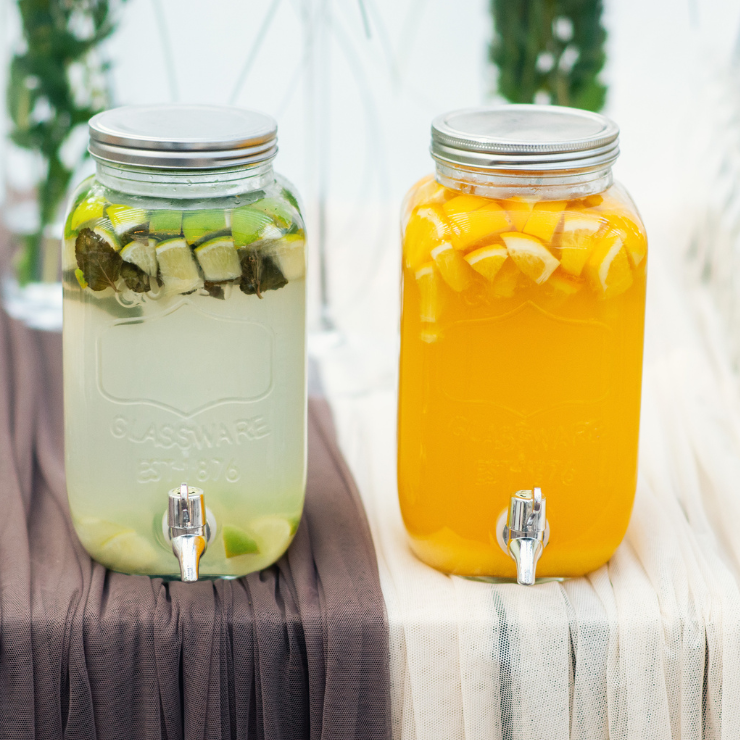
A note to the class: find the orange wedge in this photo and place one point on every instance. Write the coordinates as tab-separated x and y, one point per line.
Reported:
427	228
545	218
519	211
507	280
577	239
487	261
530	256
470	227
608	269
457	273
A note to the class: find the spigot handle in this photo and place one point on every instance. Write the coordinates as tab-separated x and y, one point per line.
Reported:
524	535
188	529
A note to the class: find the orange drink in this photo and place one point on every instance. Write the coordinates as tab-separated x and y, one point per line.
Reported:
521	360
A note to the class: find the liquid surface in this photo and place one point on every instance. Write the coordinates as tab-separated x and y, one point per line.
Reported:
172	377
521	361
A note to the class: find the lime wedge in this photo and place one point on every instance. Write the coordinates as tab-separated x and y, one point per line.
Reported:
116	547
165	224
197	226
126	219
238	542
218	259
248	225
81	278
177	267
290	255
143	254
273	535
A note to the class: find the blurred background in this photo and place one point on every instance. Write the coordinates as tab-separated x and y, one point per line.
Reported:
354	85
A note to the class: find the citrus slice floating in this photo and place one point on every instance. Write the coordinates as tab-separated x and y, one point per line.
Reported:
177	267
633	234
218	259
90	209
507	280
165	224
530	256
519	211
425	191
471	227
248	225
273	535
464	204
427	228
115	546
562	285
453	268
125	219
577	239
608	269
487	261
289	251
545	218
431	292
143	254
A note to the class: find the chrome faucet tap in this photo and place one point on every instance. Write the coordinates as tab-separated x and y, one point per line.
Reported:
188	529
526	533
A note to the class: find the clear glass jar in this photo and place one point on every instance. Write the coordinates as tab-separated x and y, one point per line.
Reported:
524	271
184	340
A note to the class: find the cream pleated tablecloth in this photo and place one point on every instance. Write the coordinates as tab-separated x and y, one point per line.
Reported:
648	646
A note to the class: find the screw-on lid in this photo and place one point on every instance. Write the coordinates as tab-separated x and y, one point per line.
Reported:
182	136
525	137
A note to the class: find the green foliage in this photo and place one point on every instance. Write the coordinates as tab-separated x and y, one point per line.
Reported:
44	106
550	46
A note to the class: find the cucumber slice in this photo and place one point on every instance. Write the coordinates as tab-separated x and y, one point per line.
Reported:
248	225
177	267
165	224
280	212
143	254
218	260
199	226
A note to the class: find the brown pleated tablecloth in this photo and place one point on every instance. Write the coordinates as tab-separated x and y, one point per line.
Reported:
299	650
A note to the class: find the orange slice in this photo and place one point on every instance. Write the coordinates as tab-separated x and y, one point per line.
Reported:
427	228
431	291
487	261
608	269
577	239
470	227
519	211
507	280
633	234
426	191
545	218
530	256
464	203
457	273
563	285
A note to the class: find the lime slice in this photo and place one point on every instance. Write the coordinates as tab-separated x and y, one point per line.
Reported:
177	267
116	547
273	535
280	212
218	259
289	252
90	209
126	219
165	224
143	254
238	542
81	278
197	226
248	224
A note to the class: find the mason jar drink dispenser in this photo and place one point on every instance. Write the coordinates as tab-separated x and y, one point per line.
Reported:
524	268
184	344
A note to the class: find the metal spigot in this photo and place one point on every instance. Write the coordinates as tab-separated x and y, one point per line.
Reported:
188	529
525	533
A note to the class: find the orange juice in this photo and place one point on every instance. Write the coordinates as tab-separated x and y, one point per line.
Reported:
521	361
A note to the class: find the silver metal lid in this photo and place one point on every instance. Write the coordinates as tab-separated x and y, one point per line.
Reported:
525	137
182	136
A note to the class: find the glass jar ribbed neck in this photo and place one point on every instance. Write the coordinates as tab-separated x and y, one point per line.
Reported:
502	184
185	184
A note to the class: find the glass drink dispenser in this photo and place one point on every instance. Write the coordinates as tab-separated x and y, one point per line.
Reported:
524	269
184	345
